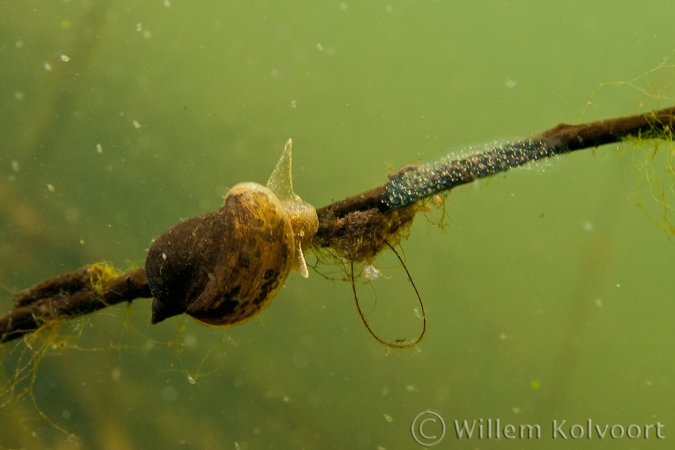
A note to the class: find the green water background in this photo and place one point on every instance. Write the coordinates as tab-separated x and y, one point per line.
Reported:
549	295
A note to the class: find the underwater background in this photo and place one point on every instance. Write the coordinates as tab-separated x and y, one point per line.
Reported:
548	292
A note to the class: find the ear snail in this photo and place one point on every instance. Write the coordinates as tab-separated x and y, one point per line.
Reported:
225	267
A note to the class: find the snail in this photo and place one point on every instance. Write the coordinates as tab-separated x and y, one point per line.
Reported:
225	267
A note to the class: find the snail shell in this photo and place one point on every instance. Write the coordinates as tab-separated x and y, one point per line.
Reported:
225	267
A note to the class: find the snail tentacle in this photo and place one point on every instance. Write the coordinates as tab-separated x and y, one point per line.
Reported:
304	219
300	263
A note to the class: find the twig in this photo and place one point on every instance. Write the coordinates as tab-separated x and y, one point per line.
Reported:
67	296
73	294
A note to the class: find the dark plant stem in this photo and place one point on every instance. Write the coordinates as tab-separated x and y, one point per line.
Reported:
65	297
71	294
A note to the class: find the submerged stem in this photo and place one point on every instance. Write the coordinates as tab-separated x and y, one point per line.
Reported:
359	226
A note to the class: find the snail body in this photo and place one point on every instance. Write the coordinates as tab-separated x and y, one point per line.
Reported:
225	267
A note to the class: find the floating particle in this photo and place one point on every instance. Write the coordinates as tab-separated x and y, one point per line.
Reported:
65	58
136	124
388	418
300	360
319	47
502	336
410	388
116	374
191	380
344	6
588	226
19	95
510	83
167	4
169	394
72	214
15	166
81	241
139	27
237	446
516	410
48	67
293	104
50	188
19	44
371	272
147	34
99	148
190	341
598	303
388	9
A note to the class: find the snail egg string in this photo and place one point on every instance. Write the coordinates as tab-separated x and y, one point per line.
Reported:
413	183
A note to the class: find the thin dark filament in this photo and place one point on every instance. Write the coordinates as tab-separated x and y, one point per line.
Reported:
400	345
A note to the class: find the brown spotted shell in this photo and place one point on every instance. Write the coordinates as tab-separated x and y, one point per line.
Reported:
225	267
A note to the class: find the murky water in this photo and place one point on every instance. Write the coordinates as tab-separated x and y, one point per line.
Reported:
549	295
